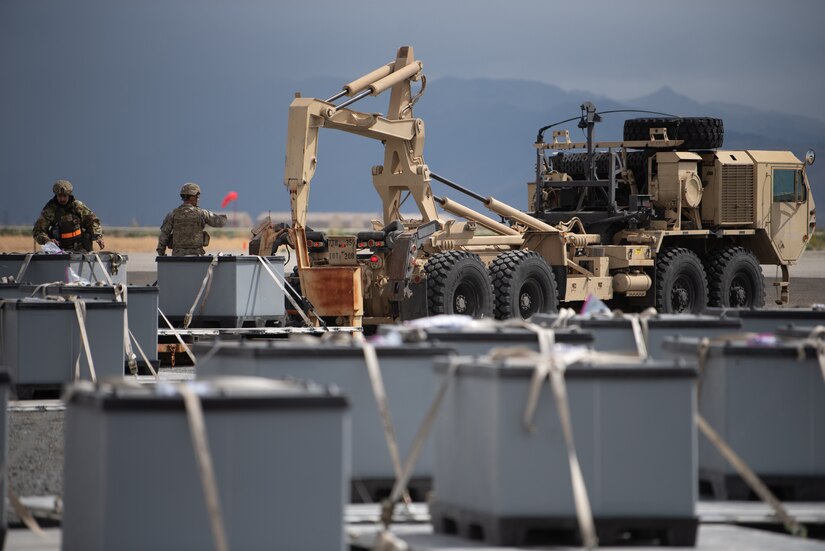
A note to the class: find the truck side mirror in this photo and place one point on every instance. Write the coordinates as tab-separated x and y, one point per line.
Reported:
810	157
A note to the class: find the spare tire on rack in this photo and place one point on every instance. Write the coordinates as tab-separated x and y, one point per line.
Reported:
697	132
575	164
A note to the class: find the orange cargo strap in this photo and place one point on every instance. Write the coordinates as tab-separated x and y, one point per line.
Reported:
70	234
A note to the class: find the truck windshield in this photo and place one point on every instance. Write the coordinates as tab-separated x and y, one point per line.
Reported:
788	186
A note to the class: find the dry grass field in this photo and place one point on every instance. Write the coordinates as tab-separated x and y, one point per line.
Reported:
123	244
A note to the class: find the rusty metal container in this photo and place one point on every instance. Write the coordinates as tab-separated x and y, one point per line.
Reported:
335	291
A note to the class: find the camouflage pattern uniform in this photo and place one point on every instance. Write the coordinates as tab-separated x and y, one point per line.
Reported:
73	225
182	229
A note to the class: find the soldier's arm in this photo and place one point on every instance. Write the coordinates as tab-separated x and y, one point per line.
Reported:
90	222
165	234
40	232
212	219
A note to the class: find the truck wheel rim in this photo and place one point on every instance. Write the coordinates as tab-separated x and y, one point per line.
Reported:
466	300
530	298
681	298
741	291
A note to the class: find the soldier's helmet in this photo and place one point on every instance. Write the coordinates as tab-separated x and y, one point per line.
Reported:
190	189
62	186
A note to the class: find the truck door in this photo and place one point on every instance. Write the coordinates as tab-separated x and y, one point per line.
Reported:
789	211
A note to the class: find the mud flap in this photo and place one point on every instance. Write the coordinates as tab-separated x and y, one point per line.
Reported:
415	306
783	284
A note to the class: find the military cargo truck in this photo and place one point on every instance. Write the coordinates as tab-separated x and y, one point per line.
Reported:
710	216
682	226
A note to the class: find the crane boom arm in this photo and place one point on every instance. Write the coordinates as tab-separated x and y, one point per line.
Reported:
402	135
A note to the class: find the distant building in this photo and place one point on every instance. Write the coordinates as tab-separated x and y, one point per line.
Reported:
327	220
237	219
355	221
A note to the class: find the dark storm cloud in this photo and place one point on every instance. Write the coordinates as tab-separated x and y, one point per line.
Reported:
131	99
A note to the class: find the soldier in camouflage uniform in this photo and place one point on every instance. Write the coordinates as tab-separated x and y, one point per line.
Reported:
182	229
67	222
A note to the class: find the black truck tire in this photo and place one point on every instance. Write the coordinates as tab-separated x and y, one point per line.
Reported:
523	285
735	279
697	132
575	164
681	283
458	283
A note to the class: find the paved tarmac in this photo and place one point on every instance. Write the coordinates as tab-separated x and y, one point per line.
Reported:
807	276
807	287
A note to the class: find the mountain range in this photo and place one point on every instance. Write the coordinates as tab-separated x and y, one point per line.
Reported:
129	150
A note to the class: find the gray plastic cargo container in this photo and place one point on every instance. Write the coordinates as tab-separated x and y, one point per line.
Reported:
242	292
141	313
5	382
14	291
800	332
615	334
141	310
766	399
47	268
409	381
635	438
478	341
280	453
767	320
41	341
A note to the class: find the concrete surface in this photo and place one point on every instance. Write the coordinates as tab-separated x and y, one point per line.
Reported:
420	537
36	447
807	276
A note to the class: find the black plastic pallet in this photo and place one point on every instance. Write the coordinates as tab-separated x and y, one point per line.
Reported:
731	487
374	490
224	322
563	531
38	391
142	368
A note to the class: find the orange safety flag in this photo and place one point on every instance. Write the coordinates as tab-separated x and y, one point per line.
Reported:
231	196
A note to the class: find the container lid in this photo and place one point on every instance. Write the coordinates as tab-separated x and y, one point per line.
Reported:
319	349
792	331
688	321
105	256
67	289
32	303
524	367
216	393
43	257
572	335
658	321
13	256
809	314
762	345
143	289
569	335
224	258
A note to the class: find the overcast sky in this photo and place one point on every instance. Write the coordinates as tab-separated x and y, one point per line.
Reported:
67	60
764	53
